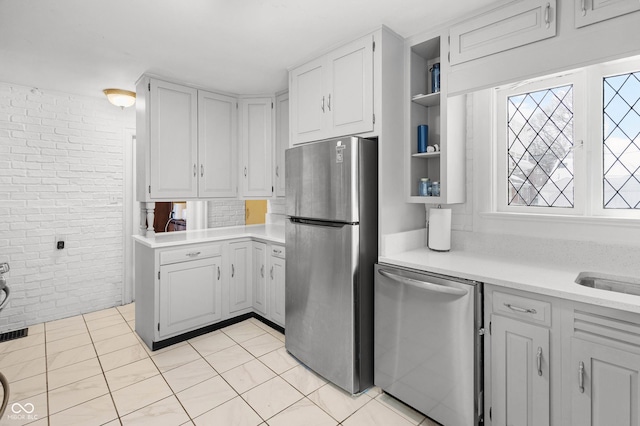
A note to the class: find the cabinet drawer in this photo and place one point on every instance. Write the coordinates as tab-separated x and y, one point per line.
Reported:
278	251
189	253
523	308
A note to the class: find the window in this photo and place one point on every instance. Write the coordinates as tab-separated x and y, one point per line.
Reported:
570	144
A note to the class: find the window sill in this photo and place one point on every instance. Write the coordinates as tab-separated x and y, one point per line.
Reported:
563	219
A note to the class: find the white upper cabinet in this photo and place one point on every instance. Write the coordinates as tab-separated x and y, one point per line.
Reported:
217	126
333	95
591	11
282	142
509	26
173	134
256	146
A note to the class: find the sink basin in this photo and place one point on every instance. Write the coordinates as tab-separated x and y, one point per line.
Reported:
618	284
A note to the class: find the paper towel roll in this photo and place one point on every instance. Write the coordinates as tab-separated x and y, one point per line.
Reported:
439	237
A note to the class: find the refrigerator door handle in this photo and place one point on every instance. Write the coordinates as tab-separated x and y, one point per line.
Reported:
312	222
435	288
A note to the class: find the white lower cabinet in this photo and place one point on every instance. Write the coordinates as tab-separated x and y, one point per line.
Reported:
259	278
276	291
190	295
240	298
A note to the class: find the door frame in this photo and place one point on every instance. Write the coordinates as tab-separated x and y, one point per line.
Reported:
130	214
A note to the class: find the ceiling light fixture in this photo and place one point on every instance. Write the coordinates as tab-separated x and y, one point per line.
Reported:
121	98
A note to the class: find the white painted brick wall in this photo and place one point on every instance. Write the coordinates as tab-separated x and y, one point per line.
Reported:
225	213
61	156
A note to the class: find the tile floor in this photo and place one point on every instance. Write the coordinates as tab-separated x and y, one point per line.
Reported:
93	370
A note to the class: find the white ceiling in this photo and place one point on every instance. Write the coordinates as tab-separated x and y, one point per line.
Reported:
238	46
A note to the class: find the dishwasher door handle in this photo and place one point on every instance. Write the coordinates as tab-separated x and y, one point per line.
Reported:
435	288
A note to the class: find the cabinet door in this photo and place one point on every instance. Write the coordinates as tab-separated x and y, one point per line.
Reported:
605	389
190	295
259	278
506	27
519	373
308	102
240	279
282	141
349	88
173	141
217	142
256	147
592	11
276	275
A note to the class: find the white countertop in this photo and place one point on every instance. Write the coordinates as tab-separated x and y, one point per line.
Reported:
271	233
551	280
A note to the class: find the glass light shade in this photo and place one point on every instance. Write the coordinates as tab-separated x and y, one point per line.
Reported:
121	98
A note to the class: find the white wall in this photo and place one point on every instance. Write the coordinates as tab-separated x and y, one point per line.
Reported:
61	159
226	213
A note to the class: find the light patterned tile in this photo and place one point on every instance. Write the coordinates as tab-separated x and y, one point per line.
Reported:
128	316
279	360
22	355
28	387
68	343
64	332
277	335
116	343
21	343
140	394
96	411
164	412
109	332
122	357
211	343
243	332
25	369
72	373
229	358
158	351
175	358
303	412
104	313
261	398
36	404
262	344
375	414
257	322
303	379
36	328
373	391
105	322
129	374
248	376
70	357
428	422
76	393
234	412
337	402
188	375
405	411
205	396
78	320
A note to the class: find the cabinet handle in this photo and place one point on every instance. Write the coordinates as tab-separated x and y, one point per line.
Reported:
245	172
583	5
233	271
262	271
539	360
271	273
277	171
218	273
201	170
547	15
519	309
193	253
329	102
581	376
194	170
322	104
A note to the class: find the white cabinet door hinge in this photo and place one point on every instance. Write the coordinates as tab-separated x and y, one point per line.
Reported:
158	274
374	45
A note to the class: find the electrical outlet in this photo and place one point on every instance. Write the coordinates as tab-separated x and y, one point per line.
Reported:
113	199
60	242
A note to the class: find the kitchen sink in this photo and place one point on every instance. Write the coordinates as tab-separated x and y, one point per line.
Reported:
618	284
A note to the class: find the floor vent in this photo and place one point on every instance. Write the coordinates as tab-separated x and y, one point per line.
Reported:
16	334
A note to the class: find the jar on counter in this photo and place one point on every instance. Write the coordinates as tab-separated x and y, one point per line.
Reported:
435	189
424	187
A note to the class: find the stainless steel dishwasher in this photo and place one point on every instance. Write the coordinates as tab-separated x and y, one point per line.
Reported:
427	343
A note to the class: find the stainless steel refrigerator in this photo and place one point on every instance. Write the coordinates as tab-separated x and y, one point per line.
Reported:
332	243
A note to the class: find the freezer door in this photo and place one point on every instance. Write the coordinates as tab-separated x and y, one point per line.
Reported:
322	180
321	286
